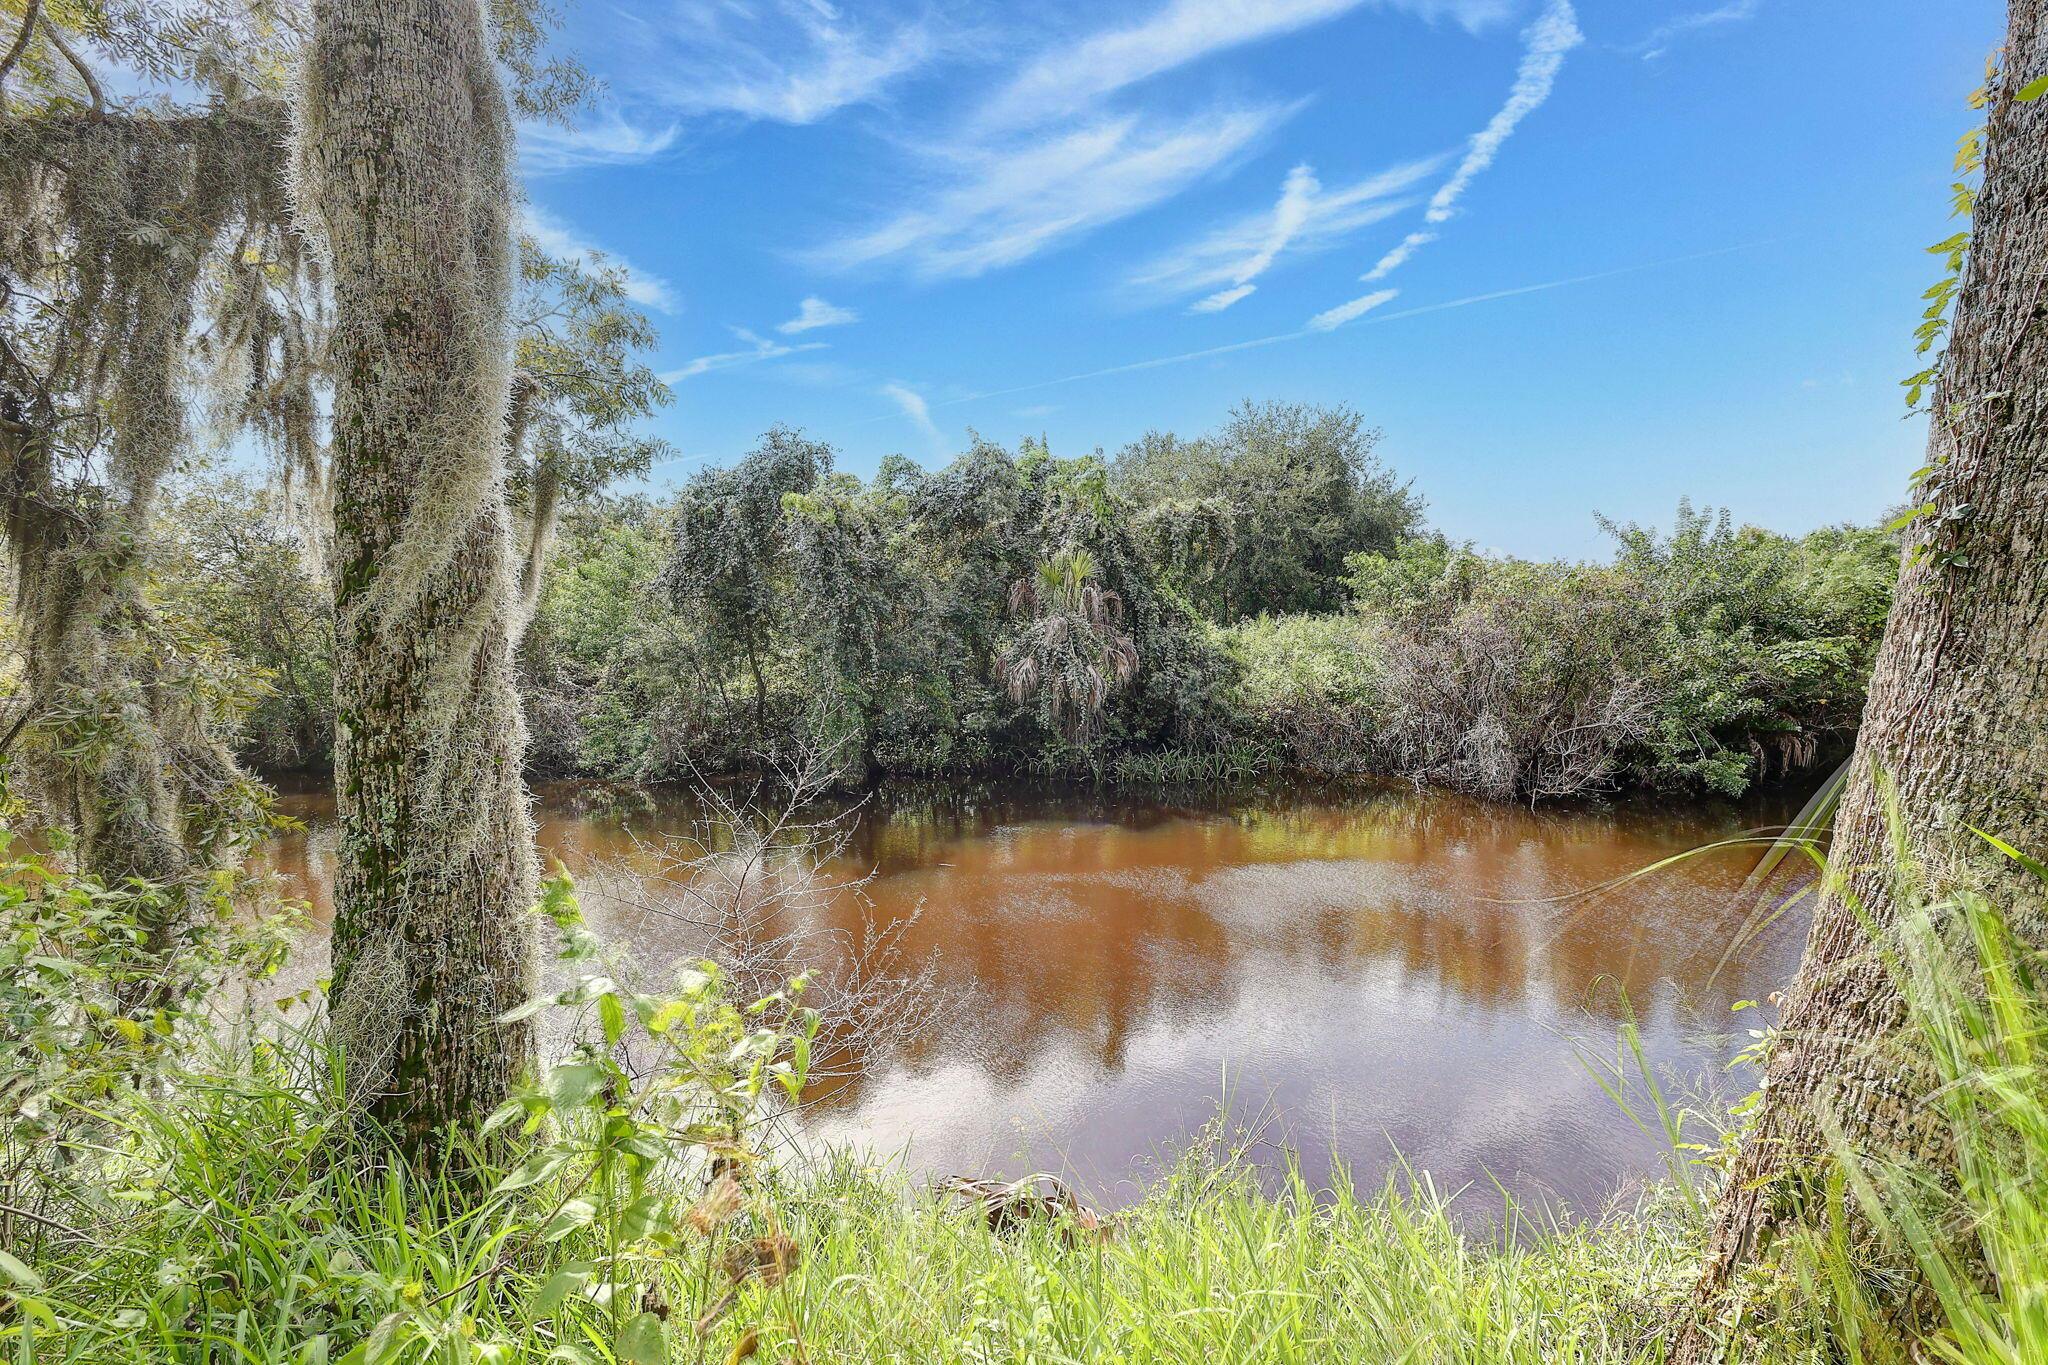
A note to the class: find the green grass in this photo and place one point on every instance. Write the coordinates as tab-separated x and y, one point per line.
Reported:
239	1226
231	1217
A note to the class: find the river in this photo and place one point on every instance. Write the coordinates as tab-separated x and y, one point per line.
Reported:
1365	973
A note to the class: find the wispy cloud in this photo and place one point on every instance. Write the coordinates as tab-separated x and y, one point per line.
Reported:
1068	144
1222	299
815	312
606	139
558	239
785	61
1660	38
758	349
916	409
1060	82
1010	200
1297	201
1555	33
1279	338
1334	318
1051	155
1546	42
1304	217
1398	255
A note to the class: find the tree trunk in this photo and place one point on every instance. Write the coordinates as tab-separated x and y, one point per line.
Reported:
760	690
405	144
1956	726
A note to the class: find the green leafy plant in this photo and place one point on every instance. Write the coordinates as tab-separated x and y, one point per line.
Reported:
661	1094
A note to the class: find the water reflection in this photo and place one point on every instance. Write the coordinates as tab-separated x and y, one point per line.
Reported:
1380	971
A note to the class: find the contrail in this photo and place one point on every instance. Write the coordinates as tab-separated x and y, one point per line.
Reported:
1553	35
1370	320
1550	38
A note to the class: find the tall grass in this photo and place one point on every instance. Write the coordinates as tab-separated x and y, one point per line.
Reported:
242	1226
232	1217
1975	1234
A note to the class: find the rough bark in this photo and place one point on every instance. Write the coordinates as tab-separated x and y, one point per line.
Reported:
1956	726
405	142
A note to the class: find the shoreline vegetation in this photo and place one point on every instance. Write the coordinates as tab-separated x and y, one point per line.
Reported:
1265	601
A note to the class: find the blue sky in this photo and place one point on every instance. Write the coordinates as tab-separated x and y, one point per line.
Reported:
1569	256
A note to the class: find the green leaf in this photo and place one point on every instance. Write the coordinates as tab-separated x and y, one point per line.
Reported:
18	1272
642	1216
572	1084
613	1014
641	1342
383	1338
588	989
2031	864
2033	90
575	1214
502	1115
560	1285
526	1010
536	1169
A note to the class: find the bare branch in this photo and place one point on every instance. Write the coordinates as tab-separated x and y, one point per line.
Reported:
29	16
99	100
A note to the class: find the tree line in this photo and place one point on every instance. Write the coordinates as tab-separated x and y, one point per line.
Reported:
1267	599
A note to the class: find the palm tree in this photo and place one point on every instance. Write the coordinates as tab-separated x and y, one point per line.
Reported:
1071	652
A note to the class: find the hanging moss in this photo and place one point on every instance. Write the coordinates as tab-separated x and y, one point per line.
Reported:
403	176
143	256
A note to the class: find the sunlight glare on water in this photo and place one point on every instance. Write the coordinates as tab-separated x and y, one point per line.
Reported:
1373	973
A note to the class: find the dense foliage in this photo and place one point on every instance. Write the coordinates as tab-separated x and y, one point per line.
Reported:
1264	600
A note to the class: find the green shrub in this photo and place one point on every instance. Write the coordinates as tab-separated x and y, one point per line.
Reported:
1313	686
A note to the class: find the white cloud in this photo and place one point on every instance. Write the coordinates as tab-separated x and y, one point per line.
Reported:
1661	37
1297	201
562	241
1305	217
759	348
1345	312
1049	156
815	312
785	61
1222	299
1073	75
1281	338
606	140
1398	256
1555	32
1007	202
916	409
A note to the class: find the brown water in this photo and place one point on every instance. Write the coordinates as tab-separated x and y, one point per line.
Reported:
1371	972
